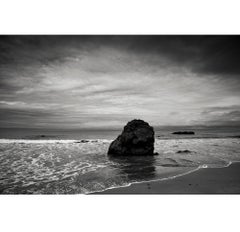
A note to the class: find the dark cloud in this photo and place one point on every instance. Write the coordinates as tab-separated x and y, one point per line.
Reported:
211	54
215	109
220	55
20	117
205	54
231	118
228	115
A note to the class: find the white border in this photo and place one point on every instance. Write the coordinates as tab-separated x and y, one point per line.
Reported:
119	212
119	17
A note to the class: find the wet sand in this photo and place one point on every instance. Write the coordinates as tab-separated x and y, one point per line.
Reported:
204	181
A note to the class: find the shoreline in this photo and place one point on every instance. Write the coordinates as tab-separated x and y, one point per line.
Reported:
224	180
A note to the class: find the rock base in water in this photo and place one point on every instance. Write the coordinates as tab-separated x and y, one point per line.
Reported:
137	138
183	133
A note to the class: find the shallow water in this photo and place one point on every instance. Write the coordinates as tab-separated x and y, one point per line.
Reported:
72	166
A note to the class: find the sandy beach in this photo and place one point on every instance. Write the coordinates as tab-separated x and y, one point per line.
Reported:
204	181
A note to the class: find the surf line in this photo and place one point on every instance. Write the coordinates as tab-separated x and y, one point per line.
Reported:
147	181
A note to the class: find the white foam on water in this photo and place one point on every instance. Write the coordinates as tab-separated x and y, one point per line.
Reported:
88	159
162	179
35	141
52	141
204	166
147	181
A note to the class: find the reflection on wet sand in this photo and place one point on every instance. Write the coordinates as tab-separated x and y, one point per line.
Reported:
135	167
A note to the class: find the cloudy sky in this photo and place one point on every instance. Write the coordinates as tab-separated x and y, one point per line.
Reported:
104	81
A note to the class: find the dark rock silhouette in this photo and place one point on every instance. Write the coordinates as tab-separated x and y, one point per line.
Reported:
137	138
183	133
82	141
183	151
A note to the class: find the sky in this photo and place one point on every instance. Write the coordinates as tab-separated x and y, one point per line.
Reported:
87	82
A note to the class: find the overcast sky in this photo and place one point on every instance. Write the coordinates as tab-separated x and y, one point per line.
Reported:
104	81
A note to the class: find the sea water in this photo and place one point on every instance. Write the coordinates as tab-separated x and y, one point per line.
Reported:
55	164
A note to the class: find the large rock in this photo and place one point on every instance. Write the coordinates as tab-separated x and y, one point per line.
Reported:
137	138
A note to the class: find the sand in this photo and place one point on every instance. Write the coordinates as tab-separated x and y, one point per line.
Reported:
204	181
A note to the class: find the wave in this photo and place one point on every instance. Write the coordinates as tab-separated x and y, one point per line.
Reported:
82	166
56	141
154	180
203	166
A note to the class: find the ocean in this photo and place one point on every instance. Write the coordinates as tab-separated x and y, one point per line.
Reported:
74	162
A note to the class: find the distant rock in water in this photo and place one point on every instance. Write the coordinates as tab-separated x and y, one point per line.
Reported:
183	133
137	138
39	137
82	141
184	151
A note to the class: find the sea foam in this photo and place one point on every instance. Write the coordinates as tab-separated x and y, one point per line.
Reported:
83	166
